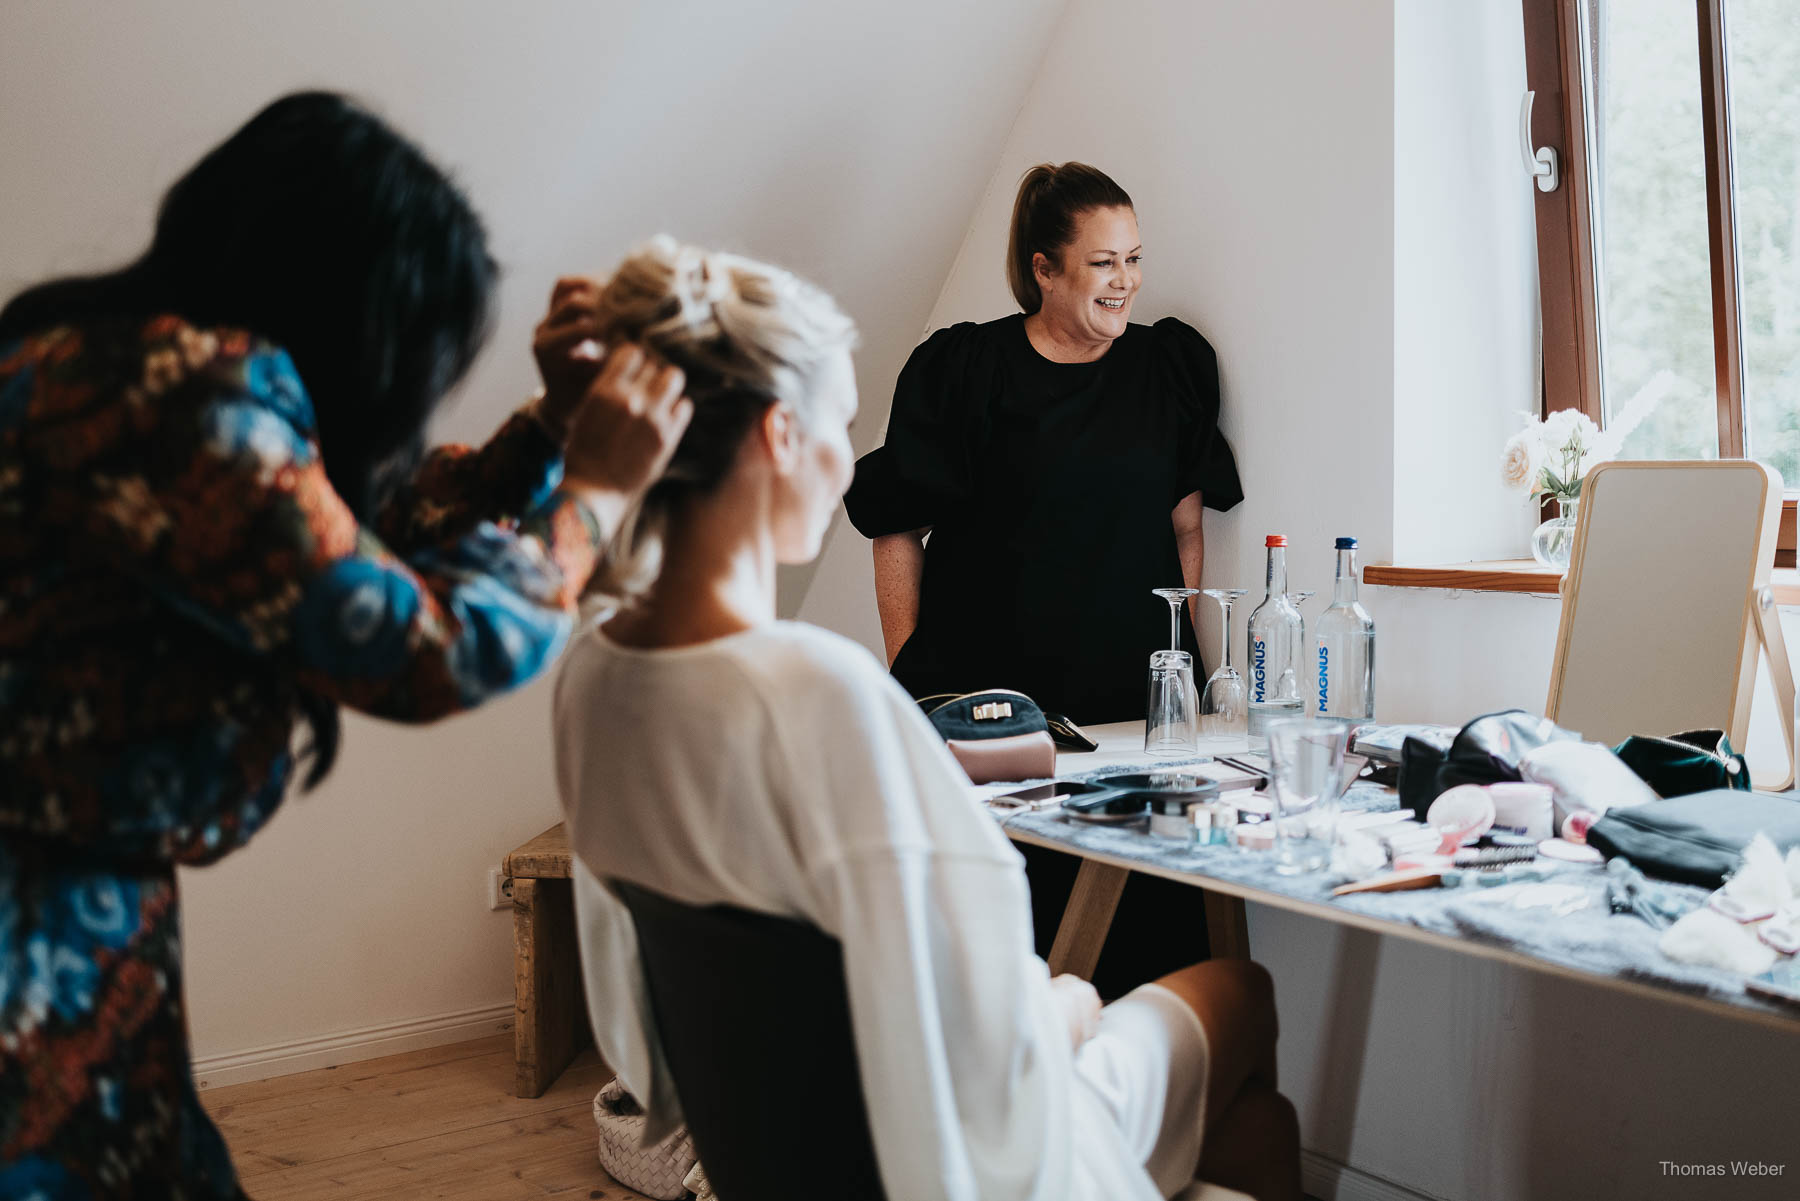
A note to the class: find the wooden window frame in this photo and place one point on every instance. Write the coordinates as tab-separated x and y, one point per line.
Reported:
1565	231
1567	287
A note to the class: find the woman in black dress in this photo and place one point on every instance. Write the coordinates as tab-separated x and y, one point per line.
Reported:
1059	459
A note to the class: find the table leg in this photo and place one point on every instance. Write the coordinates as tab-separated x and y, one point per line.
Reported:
1227	930
549	1019
1087	918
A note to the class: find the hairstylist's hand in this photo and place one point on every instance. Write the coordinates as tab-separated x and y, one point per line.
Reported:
1081	1006
567	347
625	430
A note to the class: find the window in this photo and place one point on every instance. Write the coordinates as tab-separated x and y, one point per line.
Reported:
1669	254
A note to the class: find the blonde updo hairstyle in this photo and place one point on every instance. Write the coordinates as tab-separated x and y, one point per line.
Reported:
747	336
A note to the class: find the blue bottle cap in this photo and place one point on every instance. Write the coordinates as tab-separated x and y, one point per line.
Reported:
1346	544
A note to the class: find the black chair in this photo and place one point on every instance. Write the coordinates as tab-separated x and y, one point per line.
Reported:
754	1021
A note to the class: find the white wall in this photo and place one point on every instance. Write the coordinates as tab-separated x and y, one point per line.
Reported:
1246	189
847	141
1330	192
1465	280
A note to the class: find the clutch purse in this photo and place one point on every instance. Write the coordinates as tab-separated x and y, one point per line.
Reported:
996	735
1698	838
1486	751
1694	761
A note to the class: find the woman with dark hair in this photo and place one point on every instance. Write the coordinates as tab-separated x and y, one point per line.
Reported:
1059	459
216	519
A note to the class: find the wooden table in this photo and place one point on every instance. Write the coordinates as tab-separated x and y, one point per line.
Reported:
1098	884
1090	908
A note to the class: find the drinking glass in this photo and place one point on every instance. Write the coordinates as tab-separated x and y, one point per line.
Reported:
1225	704
1306	778
1175	596
1172	726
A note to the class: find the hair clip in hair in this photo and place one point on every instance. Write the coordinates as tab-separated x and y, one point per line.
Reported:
717	277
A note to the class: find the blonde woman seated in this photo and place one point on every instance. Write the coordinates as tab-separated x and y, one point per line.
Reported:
715	755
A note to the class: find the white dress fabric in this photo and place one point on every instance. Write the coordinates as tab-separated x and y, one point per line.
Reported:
782	770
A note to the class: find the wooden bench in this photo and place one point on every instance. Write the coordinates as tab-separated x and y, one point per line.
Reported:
550	1022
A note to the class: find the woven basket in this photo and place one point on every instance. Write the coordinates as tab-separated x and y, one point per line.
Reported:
699	1185
655	1171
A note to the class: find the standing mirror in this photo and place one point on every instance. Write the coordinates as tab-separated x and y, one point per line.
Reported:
1667	604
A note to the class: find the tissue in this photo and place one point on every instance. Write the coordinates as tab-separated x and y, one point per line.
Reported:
1743	925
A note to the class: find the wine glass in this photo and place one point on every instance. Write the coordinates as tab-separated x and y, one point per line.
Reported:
1171	728
1175	596
1225	702
1289	684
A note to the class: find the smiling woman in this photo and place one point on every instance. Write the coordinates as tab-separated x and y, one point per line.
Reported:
1084	300
1059	459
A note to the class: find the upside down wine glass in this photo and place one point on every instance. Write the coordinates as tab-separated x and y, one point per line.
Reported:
1225	702
1172	723
1175	597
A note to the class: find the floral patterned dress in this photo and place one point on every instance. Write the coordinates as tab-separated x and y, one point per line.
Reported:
174	569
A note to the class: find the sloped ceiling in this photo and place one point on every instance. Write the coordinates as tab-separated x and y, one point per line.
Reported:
850	141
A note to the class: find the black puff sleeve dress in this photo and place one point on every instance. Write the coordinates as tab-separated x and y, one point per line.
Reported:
1048	489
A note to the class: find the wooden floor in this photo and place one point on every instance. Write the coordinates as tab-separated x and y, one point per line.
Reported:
436	1123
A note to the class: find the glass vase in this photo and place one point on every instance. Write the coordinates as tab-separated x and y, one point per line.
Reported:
1554	541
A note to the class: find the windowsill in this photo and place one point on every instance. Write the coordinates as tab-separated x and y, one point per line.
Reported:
1494	575
1522	575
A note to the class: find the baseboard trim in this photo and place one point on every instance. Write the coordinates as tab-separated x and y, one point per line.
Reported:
1326	1178
351	1046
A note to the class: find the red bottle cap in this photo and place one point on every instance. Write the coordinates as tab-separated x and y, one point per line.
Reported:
1275	540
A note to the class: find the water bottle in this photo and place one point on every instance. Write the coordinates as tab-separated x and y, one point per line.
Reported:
1344	642
1274	633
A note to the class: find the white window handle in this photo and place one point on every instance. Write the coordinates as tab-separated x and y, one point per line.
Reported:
1542	165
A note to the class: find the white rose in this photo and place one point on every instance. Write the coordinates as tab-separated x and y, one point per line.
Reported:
1558	426
1521	461
1567	428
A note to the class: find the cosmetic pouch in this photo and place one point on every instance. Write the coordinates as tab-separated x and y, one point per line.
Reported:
1486	751
995	735
1694	761
1698	838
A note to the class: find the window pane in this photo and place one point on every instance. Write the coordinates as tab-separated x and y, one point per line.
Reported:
1763	40
1654	274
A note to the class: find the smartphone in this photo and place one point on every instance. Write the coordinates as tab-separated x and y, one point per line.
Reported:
1776	984
1053	791
1248	770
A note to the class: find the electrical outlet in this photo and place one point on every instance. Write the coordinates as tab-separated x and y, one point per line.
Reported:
499	889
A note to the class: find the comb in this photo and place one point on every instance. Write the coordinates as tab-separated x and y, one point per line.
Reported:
1493	858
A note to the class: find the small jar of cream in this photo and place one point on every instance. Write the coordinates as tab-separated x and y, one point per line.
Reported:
1172	817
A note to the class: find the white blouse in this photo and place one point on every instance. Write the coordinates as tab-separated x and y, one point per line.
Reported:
782	770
